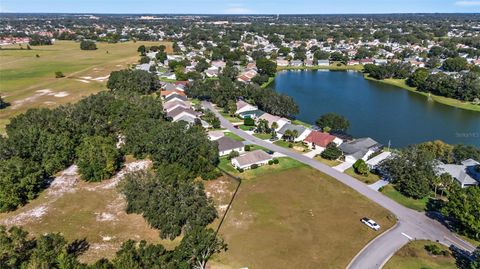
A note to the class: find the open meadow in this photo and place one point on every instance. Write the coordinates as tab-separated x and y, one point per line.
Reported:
293	218
91	211
28	81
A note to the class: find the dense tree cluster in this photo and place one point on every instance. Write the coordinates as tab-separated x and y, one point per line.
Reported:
333	122
88	45
38	40
133	81
169	201
463	206
224	90
19	250
391	70
465	88
266	67
42	142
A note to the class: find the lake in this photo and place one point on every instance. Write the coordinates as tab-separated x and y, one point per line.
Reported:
383	112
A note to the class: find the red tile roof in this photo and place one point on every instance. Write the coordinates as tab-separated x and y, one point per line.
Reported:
319	138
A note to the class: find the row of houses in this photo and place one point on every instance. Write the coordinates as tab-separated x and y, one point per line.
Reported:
177	107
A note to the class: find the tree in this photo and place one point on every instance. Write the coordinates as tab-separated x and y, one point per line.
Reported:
418	77
412	171
3	103
262	127
88	45
38	40
170	201
161	56
361	167
98	158
230	72
290	135
20	181
463	206
198	246
202	65
331	152
463	152
266	67
133	81
233	154
59	74
334	121
248	121
455	64
144	60
142	50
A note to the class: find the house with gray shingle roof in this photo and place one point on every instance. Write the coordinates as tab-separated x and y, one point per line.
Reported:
258	157
360	148
302	131
466	174
227	145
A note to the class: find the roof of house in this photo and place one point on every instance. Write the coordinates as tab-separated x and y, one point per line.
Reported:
253	157
256	113
241	104
379	158
464	173
359	147
300	129
215	135
177	111
167	93
227	143
176	96
319	138
269	117
175	103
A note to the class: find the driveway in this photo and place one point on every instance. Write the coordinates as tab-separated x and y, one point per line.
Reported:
410	225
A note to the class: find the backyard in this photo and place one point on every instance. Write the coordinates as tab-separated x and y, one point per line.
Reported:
294	218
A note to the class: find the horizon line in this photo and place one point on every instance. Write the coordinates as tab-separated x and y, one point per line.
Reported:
244	14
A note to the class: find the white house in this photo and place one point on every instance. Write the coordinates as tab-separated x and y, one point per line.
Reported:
243	106
258	157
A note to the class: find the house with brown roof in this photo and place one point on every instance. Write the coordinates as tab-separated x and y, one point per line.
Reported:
169	106
258	157
227	145
178	112
318	139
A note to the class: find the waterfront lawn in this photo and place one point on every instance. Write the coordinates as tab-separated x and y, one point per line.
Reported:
414	255
401	83
299	122
233	136
370	179
330	163
296	218
398	197
29	81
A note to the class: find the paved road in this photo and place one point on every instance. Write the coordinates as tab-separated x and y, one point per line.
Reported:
410	225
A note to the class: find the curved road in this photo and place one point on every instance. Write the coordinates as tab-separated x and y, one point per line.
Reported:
410	224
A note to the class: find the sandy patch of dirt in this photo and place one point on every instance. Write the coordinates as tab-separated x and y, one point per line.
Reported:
61	94
83	80
27	216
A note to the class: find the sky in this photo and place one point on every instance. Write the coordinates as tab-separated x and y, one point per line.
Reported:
240	6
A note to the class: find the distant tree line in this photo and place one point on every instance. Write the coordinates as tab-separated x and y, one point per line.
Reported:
38	40
225	91
20	250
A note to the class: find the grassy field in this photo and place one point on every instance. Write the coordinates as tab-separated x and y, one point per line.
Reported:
370	179
401	83
27	81
395	195
295	218
77	209
414	255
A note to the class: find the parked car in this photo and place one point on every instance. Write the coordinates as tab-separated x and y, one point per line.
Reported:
370	223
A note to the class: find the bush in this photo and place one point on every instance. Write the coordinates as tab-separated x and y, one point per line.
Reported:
59	74
247	147
248	122
233	154
435	250
290	145
331	152
240	170
88	45
254	166
276	161
361	167
270	162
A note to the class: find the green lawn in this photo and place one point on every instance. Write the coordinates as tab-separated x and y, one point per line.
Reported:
28	81
262	136
401	83
246	128
299	122
234	136
414	256
296	146
266	84
284	164
330	163
371	178
295	218
395	195
228	117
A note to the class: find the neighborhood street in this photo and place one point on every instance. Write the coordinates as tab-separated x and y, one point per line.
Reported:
410	225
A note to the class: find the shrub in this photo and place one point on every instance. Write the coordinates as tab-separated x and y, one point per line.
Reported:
361	167
248	122
290	145
270	162
240	170
276	161
254	166
233	154
88	45
331	152
59	74
435	250
247	148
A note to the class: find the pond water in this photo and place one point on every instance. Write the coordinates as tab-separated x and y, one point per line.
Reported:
383	112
